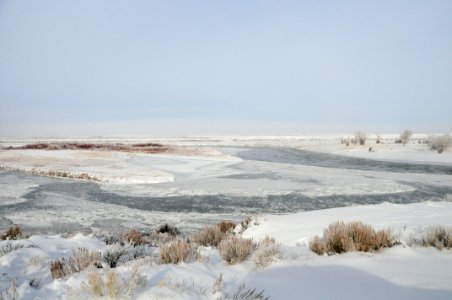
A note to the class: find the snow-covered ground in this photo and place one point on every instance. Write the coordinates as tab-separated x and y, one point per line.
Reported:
231	178
115	167
415	151
402	272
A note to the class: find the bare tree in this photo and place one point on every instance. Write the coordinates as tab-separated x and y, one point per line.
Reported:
406	136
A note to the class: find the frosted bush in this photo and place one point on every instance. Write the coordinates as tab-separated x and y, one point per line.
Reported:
437	236
81	259
440	143
235	249
360	138
267	252
112	254
176	252
110	285
406	136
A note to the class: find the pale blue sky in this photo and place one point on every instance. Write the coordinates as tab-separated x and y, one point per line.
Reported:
205	67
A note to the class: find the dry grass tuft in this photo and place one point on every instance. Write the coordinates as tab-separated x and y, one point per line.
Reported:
438	236
10	292
343	237
134	237
209	236
235	249
266	253
226	226
81	259
110	285
13	233
176	252
244	293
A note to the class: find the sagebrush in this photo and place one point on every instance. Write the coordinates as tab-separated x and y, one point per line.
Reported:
134	237
343	237
360	138
436	236
209	236
226	226
176	252
10	247
235	249
12	233
112	254
267	251
166	228
109	284
81	259
440	143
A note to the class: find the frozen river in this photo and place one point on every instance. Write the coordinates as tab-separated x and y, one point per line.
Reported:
267	180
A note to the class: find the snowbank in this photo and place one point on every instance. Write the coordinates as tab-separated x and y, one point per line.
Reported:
402	272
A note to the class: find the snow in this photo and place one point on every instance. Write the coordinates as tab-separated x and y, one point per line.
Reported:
114	167
298	228
401	272
415	151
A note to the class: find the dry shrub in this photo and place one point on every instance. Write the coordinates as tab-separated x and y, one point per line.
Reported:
235	249
9	247
96	283
176	252
134	237
244	293
158	239
80	260
13	233
245	224
438	236
10	292
226	226
440	143
145	148
113	254
360	138
209	236
168	229
221	289
267	252
343	237
111	285
378	140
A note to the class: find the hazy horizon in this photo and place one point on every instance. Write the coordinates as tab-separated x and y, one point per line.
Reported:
158	68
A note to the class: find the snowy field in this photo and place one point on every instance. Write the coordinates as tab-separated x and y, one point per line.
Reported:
293	187
401	272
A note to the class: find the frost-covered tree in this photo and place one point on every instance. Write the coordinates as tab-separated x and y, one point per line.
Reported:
406	136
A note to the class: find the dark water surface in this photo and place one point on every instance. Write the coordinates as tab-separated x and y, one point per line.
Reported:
222	204
309	158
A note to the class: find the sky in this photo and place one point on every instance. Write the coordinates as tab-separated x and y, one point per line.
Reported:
143	67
